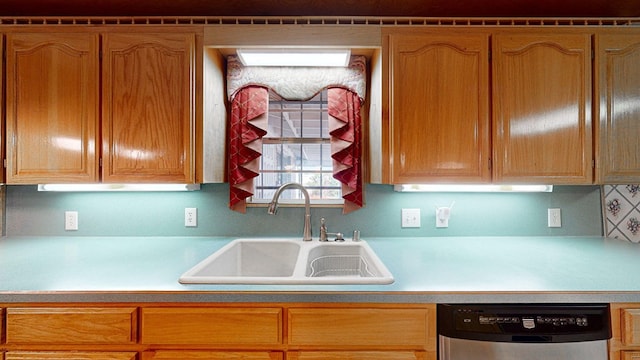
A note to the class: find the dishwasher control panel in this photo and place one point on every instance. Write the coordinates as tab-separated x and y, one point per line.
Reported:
525	322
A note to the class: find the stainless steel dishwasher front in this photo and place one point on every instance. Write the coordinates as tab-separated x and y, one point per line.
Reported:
523	331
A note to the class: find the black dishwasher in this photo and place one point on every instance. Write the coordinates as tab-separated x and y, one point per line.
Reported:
523	331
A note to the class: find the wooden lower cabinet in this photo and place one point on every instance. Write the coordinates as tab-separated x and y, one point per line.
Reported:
357	355
71	325
211	355
229	331
69	355
625	331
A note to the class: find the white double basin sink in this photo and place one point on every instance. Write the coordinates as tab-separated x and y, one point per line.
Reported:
290	261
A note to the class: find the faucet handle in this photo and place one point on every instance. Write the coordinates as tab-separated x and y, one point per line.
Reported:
323	230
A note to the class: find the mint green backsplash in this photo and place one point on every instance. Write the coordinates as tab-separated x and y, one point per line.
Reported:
29	212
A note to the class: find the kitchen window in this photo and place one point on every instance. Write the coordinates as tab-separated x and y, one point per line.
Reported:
295	124
297	148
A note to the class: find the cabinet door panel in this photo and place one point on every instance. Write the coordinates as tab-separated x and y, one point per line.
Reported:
210	355
71	326
631	326
52	107
619	75
542	108
207	326
357	327
439	108
148	121
75	355
359	355
630	355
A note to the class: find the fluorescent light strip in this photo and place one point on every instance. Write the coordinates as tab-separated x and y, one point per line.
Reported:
294	57
471	188
117	187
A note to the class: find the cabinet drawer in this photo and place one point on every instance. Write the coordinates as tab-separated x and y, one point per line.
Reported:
71	325
75	355
357	355
353	327
208	326
211	355
631	326
630	355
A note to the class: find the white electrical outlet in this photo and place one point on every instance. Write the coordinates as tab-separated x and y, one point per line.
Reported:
190	217
554	218
71	220
410	218
442	217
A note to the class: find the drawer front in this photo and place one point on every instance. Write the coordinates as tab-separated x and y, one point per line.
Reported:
357	355
211	355
212	326
631	326
353	327
630	355
75	355
71	325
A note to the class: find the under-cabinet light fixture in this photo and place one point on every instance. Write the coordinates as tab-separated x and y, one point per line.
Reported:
471	188
294	57
117	187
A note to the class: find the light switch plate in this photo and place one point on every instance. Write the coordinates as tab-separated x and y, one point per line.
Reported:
410	218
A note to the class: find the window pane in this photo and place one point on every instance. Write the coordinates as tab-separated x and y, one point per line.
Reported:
297	149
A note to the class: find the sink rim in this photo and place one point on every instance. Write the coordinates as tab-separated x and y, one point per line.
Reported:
299	275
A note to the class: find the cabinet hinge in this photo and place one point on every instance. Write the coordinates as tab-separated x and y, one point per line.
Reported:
489	164
593	163
100	162
4	163
593	54
489	55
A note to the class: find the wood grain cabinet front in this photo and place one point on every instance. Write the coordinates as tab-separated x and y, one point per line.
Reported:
148	116
71	355
245	327
53	89
211	355
357	355
364	328
541	93
68	325
438	107
618	66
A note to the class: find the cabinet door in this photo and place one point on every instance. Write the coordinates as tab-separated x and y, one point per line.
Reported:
618	58
52	107
71	326
212	326
360	355
72	355
210	355
438	129
542	108
148	121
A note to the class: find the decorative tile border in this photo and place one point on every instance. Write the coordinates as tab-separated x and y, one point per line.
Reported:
621	210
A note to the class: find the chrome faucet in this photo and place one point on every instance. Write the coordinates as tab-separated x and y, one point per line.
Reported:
273	207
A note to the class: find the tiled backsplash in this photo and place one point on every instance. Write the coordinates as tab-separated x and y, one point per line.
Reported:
622	211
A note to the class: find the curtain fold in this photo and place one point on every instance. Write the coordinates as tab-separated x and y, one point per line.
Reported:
249	112
346	148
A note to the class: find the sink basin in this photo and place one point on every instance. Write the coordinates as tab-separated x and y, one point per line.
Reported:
289	261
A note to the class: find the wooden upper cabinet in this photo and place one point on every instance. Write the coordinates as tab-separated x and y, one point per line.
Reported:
52	107
542	108
438	109
148	121
618	61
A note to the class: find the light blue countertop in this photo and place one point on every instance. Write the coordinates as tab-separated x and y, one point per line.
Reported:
437	269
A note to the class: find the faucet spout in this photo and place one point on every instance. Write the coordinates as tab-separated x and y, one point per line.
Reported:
273	207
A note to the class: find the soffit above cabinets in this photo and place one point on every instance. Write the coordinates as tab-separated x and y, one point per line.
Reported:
383	8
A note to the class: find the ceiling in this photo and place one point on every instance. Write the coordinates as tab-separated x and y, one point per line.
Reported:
353	8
